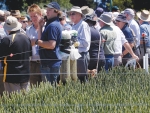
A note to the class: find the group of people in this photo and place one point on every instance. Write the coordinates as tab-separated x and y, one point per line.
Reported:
30	45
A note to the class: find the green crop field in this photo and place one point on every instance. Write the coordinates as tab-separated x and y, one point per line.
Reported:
119	91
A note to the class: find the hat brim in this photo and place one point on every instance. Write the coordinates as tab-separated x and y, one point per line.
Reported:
91	11
143	18
111	23
8	28
83	16
92	21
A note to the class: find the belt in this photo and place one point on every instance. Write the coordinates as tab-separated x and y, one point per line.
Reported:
37	61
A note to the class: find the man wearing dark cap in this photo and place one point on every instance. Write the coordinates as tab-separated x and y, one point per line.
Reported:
48	42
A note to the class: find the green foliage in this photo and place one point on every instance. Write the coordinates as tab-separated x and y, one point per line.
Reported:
122	4
119	91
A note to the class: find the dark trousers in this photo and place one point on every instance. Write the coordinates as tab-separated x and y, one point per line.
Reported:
82	66
35	73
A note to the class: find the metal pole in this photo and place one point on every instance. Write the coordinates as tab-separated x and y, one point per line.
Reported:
110	5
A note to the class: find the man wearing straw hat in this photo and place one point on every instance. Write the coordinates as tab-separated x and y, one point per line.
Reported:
84	40
144	18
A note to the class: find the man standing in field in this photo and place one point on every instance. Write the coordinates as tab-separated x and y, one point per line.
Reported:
49	42
83	43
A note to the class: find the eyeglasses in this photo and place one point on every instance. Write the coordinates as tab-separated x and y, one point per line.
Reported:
24	21
72	14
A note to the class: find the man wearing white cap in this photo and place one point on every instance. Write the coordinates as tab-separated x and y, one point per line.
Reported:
15	52
84	40
144	18
129	13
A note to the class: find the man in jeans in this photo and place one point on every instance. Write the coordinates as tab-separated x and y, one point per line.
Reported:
49	42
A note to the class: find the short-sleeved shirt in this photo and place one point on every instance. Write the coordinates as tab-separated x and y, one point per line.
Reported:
129	36
52	31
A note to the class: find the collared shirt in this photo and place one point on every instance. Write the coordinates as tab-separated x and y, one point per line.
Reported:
145	28
136	29
120	40
52	31
33	34
129	36
66	27
108	34
84	35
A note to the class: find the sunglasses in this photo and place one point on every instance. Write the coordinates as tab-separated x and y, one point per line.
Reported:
72	14
24	21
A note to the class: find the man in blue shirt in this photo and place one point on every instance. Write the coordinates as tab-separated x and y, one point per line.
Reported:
122	23
49	43
144	18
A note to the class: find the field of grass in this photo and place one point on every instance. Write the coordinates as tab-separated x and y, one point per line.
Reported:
119	91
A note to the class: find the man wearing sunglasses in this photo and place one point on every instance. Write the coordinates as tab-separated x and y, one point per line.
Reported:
83	43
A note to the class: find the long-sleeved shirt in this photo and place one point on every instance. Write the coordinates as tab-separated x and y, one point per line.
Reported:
136	29
84	35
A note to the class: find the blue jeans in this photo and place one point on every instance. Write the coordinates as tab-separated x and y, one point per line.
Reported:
109	62
50	74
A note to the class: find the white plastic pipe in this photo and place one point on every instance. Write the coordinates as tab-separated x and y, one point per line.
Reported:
146	62
143	62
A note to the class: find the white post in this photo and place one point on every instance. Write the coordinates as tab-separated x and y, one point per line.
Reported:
143	62
146	62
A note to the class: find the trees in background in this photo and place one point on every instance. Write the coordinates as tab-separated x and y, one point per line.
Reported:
22	5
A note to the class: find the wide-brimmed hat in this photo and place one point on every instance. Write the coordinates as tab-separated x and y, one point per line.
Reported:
122	18
15	13
144	15
76	9
106	17
12	24
86	10
89	18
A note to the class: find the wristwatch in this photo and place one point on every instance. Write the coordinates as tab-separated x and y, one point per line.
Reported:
36	42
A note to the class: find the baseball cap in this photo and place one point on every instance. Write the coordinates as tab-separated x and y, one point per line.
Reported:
53	5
